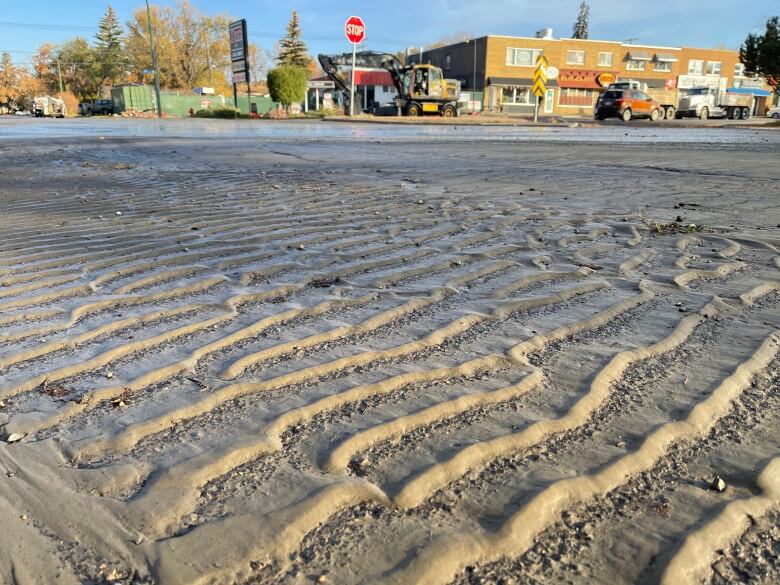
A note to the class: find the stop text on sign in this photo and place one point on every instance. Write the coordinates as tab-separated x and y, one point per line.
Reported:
355	29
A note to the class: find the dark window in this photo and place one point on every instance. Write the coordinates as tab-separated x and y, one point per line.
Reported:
613	95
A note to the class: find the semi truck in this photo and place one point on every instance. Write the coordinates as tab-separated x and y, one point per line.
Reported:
708	102
49	107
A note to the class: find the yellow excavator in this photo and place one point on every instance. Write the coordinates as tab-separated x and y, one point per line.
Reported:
421	88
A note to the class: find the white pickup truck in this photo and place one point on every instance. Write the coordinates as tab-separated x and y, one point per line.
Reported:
707	102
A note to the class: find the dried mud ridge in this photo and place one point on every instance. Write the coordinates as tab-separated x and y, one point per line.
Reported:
214	376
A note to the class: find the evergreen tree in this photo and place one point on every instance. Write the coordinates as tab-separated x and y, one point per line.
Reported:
761	54
109	47
580	30
292	50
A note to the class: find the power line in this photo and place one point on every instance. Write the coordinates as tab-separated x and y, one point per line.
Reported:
46	26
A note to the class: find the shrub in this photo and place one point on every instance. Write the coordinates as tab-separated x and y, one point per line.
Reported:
222	112
287	85
71	103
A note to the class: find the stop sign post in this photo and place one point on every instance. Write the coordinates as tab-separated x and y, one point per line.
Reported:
355	30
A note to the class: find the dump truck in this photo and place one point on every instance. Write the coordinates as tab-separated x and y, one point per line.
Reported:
668	98
421	88
708	102
49	107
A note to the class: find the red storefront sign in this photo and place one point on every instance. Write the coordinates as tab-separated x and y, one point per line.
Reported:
582	78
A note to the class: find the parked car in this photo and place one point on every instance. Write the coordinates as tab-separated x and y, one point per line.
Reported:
97	108
773	112
626	104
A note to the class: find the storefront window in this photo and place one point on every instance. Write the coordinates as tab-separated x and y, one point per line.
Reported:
577	97
518	95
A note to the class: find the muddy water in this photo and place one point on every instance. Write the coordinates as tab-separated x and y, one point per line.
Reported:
637	133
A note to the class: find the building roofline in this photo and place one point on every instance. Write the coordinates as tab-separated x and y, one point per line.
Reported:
705	49
619	43
652	47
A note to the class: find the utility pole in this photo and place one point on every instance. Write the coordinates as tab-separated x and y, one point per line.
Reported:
474	79
59	73
208	57
154	61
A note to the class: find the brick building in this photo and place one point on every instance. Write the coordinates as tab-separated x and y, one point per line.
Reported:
502	67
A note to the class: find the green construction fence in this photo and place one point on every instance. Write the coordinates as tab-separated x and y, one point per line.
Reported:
178	104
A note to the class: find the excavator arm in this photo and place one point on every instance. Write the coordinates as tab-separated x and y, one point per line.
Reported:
333	66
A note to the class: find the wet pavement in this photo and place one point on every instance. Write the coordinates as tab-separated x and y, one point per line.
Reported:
304	130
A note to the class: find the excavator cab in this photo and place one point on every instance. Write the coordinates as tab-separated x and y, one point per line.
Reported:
422	81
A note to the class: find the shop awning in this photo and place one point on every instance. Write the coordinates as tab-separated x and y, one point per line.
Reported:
638	56
373	78
750	91
518	81
665	58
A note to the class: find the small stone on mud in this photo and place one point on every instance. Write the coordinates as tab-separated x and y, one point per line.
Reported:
301	247
718	484
15	438
119	213
109	375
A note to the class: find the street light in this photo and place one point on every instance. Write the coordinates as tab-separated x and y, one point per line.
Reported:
474	74
154	61
474	84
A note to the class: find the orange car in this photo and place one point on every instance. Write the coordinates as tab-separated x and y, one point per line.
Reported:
626	104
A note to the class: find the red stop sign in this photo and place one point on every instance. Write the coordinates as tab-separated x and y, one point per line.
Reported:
355	30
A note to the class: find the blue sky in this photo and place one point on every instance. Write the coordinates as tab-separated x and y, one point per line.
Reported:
394	25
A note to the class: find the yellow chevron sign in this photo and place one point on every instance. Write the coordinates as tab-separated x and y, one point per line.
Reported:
540	76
